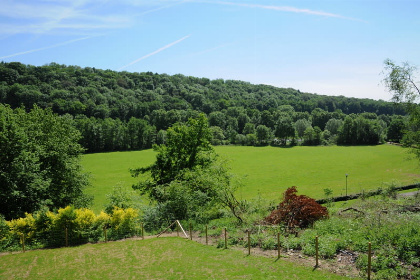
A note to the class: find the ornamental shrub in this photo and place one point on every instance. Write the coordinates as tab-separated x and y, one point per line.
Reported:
297	211
48	229
24	226
123	223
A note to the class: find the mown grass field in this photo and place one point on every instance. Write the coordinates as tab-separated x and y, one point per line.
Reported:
268	171
156	258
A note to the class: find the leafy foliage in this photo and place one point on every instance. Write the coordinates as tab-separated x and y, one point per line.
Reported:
187	179
39	163
297	211
117	111
400	81
47	229
187	147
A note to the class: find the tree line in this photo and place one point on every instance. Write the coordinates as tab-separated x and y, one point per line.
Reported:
131	111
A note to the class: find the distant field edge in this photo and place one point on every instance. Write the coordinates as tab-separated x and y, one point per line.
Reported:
366	194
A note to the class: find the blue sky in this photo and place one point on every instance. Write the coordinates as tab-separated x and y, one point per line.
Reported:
333	47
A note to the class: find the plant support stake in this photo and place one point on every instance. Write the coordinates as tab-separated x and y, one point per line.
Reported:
369	259
23	242
190	231
67	237
249	242
316	251
225	239
207	238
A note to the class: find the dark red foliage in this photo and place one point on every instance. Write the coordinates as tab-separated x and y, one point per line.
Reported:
297	211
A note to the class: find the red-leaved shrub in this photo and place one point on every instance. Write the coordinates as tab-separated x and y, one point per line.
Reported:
297	211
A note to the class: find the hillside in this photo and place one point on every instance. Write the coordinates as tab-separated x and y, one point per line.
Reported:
106	93
117	111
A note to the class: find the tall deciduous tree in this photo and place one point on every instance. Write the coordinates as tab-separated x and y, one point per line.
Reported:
400	81
39	162
263	134
187	146
284	129
300	126
186	175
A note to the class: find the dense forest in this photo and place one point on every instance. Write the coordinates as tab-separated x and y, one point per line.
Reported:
130	111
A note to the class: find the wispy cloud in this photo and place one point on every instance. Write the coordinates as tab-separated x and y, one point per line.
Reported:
158	5
72	16
279	8
48	16
155	52
45	48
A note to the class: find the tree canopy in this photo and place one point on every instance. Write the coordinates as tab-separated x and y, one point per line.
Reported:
187	176
400	81
117	111
39	161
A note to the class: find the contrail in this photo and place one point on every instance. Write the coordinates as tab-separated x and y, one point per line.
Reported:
45	48
279	8
155	52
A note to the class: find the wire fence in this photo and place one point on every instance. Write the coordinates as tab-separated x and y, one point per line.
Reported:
71	236
220	237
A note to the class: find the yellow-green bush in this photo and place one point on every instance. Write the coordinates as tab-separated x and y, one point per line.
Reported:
22	226
65	218
102	219
85	218
48	229
124	222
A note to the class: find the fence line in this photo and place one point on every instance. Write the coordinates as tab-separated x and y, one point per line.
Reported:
364	194
316	240
70	239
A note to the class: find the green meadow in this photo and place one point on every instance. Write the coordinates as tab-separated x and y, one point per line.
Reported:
268	171
155	258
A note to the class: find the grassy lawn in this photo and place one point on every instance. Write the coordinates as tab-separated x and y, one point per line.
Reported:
111	169
156	258
269	171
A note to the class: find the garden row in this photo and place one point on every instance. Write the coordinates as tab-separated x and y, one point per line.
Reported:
69	226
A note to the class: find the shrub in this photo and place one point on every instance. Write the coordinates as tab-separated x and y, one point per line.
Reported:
123	223
19	229
4	233
22	226
269	243
297	211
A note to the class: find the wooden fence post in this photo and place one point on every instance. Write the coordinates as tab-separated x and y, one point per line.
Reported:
207	238
369	259
278	245
142	231
177	230
249	242
316	251
225	238
67	237
190	231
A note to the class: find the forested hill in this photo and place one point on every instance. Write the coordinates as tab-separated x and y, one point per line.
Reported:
106	93
130	111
